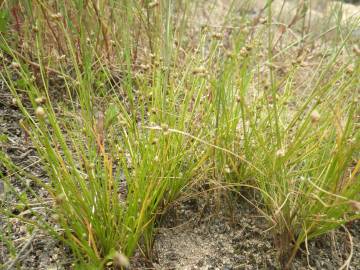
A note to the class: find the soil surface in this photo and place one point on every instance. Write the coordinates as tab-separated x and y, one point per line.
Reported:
32	249
196	238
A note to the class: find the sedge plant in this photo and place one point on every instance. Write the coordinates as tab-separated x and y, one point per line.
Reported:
117	153
307	153
148	113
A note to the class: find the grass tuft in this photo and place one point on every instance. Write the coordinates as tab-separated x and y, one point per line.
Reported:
130	103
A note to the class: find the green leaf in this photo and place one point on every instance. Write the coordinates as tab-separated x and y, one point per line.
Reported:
3	138
4	20
111	114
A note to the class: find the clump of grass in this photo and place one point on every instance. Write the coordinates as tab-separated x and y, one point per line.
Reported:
310	172
110	178
113	166
149	113
306	154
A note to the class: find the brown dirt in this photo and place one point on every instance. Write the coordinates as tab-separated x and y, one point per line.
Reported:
32	248
196	238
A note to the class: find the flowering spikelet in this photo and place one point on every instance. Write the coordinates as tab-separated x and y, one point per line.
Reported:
40	100
199	70
356	50
280	153
61	57
217	36
14	102
15	65
120	260
56	16
40	112
165	128
350	69
60	199
315	116
355	205
153	4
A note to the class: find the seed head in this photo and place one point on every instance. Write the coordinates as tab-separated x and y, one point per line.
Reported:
15	65
199	70
356	50
123	123
244	52
165	127
14	102
61	57
262	20
25	45
153	111
249	47
355	205
350	69
204	27
299	59
155	141
35	29
55	217
40	100
120	260
270	99
144	67
229	54
245	30
351	141
40	112
156	63
227	169
153	4
56	16
280	153
60	198
217	36
315	116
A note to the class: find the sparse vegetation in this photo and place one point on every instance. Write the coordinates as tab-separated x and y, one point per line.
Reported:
129	104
